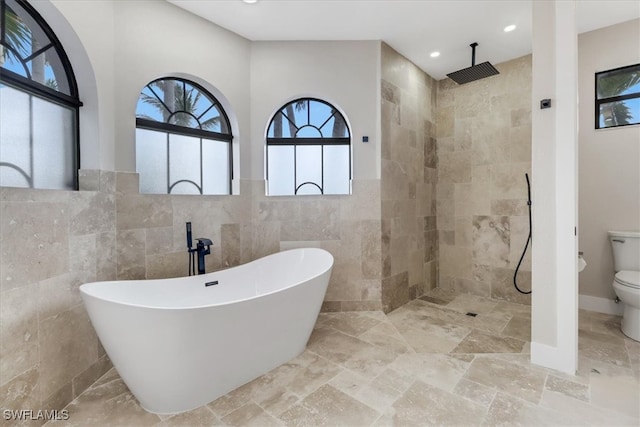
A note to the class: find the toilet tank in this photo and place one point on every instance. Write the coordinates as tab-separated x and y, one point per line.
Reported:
626	250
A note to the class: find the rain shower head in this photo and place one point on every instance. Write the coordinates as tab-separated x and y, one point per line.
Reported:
475	72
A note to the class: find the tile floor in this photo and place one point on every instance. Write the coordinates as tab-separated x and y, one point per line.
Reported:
426	363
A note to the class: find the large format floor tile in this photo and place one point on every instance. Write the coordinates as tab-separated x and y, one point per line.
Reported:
443	359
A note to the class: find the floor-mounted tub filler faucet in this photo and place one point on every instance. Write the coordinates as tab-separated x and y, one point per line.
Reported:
202	248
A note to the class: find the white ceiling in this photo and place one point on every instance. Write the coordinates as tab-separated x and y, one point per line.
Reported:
415	28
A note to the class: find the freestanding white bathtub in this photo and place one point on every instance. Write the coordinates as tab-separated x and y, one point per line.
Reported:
179	344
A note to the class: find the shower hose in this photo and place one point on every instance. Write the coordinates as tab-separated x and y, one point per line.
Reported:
515	274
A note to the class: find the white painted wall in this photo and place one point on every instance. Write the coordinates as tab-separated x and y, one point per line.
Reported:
156	39
89	46
117	47
609	160
129	44
554	314
342	73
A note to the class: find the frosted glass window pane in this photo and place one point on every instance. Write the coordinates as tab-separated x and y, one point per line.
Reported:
185	187
53	145
336	169
215	167
184	164
14	134
309	168
280	165
151	161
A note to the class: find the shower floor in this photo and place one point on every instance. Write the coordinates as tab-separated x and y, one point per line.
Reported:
426	363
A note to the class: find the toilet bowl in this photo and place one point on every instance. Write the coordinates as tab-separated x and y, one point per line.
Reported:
626	282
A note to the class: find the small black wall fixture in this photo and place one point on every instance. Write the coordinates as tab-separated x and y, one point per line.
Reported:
202	248
475	72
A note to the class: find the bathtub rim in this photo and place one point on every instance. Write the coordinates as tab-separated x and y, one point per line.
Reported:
87	294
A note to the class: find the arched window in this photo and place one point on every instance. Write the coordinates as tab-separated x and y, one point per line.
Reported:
39	103
308	150
183	140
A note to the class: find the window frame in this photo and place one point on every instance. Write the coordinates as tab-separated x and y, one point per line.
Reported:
600	102
172	129
302	141
32	88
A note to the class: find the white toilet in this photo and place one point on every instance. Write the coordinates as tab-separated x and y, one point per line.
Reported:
626	283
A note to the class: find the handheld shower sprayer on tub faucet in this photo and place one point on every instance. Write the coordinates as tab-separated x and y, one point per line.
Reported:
202	248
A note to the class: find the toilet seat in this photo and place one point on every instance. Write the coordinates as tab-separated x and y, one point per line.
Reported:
628	278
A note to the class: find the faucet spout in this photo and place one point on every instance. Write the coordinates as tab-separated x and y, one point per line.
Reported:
203	248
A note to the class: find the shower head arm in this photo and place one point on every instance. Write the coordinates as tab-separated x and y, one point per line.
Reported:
473	53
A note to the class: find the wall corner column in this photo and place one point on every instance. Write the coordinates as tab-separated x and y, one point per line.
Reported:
554	341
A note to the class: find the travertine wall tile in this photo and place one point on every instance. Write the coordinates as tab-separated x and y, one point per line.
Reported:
131	254
54	241
18	331
127	183
408	177
142	211
60	293
91	212
159	240
106	260
174	265
107	181
35	242
265	239
320	219
484	150
230	244
395	291
89	180
68	346
491	237
364	203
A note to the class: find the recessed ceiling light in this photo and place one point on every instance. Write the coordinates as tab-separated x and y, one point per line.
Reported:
435	54
509	28
250	1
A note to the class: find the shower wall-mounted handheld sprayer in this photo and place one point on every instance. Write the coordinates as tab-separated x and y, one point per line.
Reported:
202	248
515	274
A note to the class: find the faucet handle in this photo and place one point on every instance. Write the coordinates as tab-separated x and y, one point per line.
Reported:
204	241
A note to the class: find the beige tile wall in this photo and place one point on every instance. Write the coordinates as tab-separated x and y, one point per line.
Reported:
408	184
152	242
50	243
484	149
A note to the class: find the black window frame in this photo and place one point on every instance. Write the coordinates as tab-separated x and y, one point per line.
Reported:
29	86
607	100
173	129
319	141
